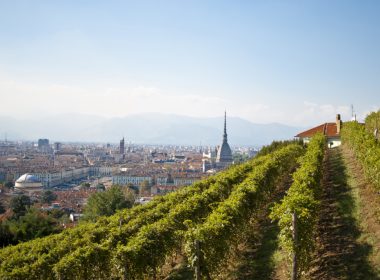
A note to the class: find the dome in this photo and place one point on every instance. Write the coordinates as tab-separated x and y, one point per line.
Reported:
28	182
28	178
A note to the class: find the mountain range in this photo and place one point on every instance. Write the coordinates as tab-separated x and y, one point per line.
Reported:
147	128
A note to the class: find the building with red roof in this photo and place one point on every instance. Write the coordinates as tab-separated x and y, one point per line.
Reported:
330	130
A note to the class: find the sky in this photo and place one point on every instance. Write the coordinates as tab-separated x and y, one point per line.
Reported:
292	62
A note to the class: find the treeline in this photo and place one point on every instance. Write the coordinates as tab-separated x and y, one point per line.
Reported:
22	221
25	220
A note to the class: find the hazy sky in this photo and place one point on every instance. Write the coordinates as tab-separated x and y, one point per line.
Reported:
294	62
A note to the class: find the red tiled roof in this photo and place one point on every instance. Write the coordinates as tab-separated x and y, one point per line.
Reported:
328	129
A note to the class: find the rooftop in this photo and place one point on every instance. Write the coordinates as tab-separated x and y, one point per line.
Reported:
327	129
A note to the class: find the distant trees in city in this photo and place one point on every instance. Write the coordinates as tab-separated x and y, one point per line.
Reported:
108	202
85	185
6	238
134	189
32	225
9	185
19	205
2	208
240	158
48	197
26	222
145	188
100	187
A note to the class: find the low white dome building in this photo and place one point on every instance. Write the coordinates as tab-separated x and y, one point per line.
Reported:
29	183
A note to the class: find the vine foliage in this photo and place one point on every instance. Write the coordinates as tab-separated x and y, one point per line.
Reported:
302	199
365	146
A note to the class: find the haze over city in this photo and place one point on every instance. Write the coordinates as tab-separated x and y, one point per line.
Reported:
292	62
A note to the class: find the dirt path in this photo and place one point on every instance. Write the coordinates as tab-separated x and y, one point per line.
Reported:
368	198
339	254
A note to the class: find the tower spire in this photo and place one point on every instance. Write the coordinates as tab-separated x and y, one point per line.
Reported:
224	154
225	127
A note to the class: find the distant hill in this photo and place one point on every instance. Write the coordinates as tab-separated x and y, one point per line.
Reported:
149	128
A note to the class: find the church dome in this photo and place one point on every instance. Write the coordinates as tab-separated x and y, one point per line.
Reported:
28	178
28	182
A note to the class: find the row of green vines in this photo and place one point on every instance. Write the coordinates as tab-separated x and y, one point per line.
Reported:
302	200
228	220
366	148
87	246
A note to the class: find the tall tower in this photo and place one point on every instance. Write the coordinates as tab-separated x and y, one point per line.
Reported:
121	147
225	128
224	155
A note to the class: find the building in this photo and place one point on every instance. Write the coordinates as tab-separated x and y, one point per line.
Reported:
331	130
122	146
125	179
28	183
43	145
224	155
57	146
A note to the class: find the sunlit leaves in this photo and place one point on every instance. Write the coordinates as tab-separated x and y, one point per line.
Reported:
302	198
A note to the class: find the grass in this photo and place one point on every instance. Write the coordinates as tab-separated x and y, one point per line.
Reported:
367	198
341	254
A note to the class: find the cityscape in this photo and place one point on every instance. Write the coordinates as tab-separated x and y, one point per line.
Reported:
75	171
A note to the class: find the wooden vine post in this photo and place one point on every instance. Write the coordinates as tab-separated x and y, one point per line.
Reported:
295	240
197	261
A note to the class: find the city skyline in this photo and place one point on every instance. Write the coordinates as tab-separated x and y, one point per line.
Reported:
290	62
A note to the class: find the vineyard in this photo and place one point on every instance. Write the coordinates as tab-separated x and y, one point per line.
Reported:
201	231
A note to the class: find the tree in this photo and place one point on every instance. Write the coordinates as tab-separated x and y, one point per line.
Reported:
100	187
48	197
19	205
9	185
32	225
133	188
239	158
85	185
129	195
145	188
106	203
2	208
6	237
